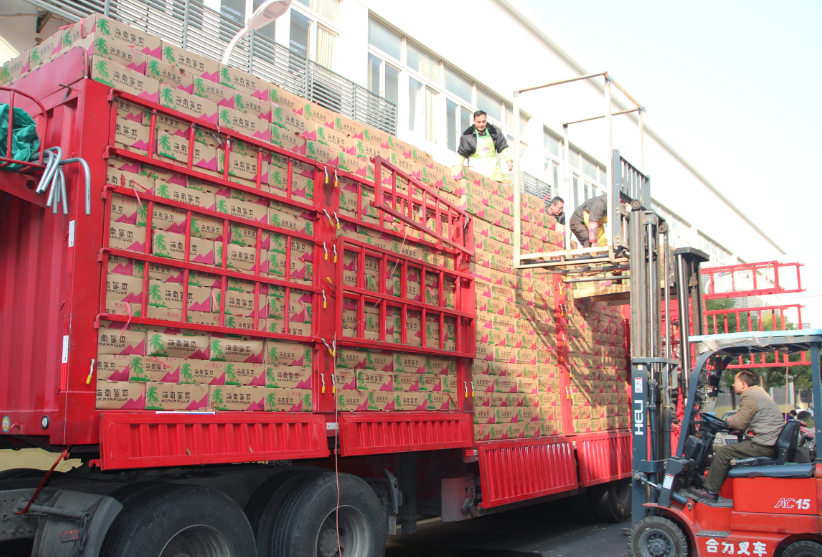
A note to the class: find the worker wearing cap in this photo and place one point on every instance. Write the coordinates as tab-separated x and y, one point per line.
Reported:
588	222
760	418
481	144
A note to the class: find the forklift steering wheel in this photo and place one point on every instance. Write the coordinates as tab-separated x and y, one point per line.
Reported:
713	422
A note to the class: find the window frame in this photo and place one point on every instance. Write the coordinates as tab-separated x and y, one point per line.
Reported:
314	19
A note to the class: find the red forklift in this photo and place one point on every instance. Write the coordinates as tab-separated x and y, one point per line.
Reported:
768	507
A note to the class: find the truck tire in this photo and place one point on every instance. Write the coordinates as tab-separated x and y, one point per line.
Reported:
263	509
170	520
309	514
657	536
612	501
803	548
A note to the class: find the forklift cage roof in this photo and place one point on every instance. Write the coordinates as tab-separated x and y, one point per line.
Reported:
733	345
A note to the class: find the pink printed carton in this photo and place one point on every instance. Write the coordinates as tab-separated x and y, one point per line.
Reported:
143	42
119	395
294	400
112	367
170	396
237	398
180	100
114	75
196	65
156	369
120	341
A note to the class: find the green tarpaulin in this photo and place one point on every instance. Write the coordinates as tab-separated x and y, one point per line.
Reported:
24	140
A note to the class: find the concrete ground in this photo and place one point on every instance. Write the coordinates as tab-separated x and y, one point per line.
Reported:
547	529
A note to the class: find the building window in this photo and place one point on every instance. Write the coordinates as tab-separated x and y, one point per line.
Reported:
231	11
312	39
490	104
421	100
422	63
379	36
383	78
458	119
329	9
509	119
458	85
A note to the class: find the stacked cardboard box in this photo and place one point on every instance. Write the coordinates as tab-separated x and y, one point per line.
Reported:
515	376
372	380
168	368
600	397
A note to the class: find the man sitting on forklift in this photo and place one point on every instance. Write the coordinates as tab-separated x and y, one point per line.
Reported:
759	418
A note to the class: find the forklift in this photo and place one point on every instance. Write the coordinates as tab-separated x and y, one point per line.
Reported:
768	507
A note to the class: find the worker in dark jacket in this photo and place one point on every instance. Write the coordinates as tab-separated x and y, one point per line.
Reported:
480	144
758	417
587	222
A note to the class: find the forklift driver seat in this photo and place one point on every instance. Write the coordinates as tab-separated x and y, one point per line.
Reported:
785	449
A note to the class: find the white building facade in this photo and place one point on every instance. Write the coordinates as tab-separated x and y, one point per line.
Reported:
438	62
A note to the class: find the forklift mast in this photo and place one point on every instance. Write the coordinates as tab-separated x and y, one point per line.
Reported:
655	269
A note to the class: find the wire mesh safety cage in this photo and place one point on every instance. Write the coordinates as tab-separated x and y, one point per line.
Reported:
537	187
204	31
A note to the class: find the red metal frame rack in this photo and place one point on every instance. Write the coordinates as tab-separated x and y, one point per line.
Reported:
753	319
769	268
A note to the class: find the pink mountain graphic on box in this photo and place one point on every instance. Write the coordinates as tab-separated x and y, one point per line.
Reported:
299	149
198	404
227	102
139	68
301	192
210	118
187	88
265	115
201	306
256	358
299	317
171	376
257	406
208	164
422	406
135	117
218	380
259	381
387	386
261	95
390	406
215	77
133	298
175	278
156	53
200	355
263	135
120	375
177	228
141	145
129	167
300	274
130	350
362	172
296	407
123	269
204	258
304	384
151	97
135	404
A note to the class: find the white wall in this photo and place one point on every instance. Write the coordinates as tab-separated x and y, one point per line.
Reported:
488	42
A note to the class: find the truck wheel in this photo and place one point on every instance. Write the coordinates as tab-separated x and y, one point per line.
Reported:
309	518
612	501
804	548
656	536
263	509
175	520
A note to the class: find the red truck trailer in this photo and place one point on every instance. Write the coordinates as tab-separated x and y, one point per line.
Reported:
329	470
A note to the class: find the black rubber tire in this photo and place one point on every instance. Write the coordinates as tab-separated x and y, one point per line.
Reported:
612	501
22	473
307	519
665	534
166	520
581	507
263	509
803	548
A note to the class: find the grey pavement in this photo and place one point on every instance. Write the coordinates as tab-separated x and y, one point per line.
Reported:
548	529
